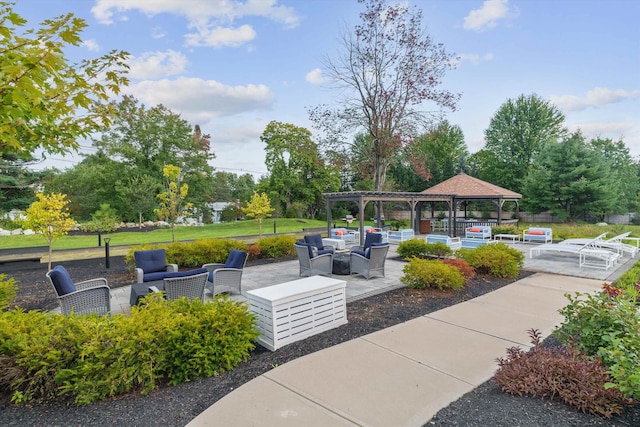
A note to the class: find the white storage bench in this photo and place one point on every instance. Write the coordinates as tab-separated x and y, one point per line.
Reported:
295	310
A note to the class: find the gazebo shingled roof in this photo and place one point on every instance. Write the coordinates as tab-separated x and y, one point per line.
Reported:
463	186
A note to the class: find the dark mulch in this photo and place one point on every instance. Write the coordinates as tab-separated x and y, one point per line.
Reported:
176	406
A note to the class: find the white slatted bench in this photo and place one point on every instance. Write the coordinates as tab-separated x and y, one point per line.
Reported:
295	310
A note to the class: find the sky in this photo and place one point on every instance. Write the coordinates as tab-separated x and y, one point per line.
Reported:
233	66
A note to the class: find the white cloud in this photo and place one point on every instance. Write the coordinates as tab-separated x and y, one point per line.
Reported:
211	19
157	33
315	77
487	16
219	36
475	58
92	45
199	100
151	65
594	98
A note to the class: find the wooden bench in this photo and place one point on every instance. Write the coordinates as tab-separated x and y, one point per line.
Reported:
295	310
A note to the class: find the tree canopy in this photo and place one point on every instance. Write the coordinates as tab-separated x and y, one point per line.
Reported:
46	102
516	134
571	180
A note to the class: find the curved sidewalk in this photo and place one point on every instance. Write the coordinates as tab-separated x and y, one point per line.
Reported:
403	375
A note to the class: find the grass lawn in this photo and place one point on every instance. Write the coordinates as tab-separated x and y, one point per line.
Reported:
233	229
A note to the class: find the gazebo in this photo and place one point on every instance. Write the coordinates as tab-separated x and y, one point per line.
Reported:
457	191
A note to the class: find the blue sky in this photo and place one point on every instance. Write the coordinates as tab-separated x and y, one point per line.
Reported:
233	66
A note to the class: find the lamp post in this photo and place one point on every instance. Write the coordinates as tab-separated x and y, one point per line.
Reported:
107	261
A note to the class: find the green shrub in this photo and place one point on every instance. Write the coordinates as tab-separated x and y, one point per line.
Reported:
609	327
192	254
496	259
413	248
503	229
423	273
8	290
277	246
560	373
91	358
439	250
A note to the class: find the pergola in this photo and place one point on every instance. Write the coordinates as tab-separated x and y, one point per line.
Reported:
456	191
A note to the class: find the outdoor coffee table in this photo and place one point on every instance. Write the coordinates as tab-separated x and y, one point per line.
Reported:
140	290
513	237
341	264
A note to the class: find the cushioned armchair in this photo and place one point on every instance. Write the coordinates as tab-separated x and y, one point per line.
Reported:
372	262
227	277
191	287
369	239
89	296
152	265
311	263
316	241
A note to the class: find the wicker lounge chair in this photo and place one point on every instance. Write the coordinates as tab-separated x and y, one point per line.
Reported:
370	263
89	296
191	287
227	277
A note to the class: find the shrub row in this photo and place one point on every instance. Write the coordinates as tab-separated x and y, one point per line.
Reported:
419	248
90	358
203	251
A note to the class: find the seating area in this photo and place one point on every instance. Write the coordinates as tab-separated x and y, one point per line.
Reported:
312	263
151	265
615	243
343	234
537	235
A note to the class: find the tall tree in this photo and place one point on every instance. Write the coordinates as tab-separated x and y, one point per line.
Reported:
89	183
45	101
571	180
146	139
438	154
139	195
388	67
297	173
516	134
49	217
624	168
17	183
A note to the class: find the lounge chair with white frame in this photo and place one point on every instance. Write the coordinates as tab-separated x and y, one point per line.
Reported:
615	243
590	253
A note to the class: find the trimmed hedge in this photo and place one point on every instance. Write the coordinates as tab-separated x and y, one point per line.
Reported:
90	358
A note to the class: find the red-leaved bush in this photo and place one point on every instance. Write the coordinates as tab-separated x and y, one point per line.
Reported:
463	266
559	373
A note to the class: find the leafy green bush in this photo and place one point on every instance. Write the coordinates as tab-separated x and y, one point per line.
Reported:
503	229
561	373
423	273
496	259
609	327
277	246
91	358
412	248
439	250
8	290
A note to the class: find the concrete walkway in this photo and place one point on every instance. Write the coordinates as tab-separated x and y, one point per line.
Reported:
403	375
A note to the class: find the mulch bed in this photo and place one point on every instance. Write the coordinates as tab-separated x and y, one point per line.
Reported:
176	406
